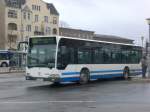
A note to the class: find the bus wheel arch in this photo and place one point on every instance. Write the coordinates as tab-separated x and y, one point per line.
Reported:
4	64
84	76
126	72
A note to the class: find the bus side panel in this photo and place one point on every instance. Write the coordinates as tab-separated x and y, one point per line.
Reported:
98	71
70	74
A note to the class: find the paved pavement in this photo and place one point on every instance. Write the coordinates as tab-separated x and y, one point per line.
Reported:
18	95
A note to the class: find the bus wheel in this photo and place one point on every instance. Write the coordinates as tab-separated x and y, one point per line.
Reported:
4	65
126	73
56	84
84	76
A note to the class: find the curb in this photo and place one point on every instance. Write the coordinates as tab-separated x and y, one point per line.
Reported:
140	79
11	72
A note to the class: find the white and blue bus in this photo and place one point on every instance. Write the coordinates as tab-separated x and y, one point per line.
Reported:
65	59
9	58
5	56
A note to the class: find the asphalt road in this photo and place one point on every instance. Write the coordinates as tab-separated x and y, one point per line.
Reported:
18	95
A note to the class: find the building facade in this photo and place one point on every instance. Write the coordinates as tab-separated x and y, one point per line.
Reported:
21	19
85	34
111	38
69	32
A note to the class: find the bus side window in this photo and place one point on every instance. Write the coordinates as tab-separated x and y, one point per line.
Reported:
97	56
71	55
66	55
134	57
84	56
124	56
3	56
63	57
139	56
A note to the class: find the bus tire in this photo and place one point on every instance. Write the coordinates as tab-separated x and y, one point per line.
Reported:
126	73
4	64
56	83
84	76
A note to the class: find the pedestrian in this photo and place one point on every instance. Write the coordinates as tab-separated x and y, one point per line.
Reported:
144	66
148	66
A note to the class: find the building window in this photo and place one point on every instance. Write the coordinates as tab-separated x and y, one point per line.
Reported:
24	15
46	19
54	20
12	14
35	7
29	16
28	28
12	26
12	39
36	18
26	38
36	28
55	31
39	8
48	30
14	2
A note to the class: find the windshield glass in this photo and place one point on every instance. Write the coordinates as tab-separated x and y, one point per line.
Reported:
42	52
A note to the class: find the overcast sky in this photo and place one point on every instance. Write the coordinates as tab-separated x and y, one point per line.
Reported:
125	18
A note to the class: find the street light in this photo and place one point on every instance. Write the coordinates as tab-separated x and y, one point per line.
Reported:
148	21
147	44
142	38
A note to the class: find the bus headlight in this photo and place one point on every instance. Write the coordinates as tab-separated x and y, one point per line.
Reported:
27	74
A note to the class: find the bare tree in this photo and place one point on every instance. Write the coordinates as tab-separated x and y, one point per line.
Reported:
64	24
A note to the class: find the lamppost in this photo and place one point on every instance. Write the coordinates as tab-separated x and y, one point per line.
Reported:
148	44
142	38
148	21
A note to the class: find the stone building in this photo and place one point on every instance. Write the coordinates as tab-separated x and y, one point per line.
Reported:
20	19
111	38
69	32
85	34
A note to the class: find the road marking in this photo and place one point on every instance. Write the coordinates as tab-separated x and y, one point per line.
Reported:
42	102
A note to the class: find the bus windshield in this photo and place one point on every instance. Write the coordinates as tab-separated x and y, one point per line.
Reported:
41	52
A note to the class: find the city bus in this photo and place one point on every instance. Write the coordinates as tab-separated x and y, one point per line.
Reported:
5	57
66	59
9	58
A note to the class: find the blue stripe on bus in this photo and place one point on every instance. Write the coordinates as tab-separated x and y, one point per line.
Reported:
71	73
107	76
78	73
97	76
104	71
100	71
70	79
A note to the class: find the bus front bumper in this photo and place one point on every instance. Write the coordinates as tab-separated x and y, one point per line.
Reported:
51	79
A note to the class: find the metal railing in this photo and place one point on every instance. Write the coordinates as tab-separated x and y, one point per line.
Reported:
17	63
11	69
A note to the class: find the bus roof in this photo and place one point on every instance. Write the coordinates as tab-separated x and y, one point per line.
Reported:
73	38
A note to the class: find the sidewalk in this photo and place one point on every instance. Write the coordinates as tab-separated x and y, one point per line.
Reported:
140	79
12	74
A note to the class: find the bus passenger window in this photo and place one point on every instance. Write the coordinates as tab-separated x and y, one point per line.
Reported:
84	56
63	57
